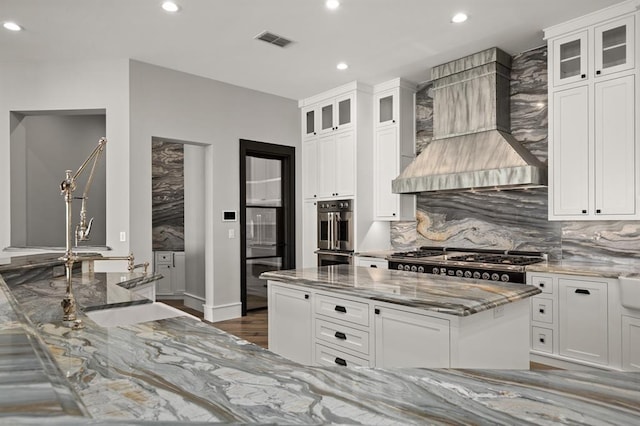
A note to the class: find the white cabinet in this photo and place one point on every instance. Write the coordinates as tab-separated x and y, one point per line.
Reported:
146	290
171	265
405	339
394	147
593	153
371	262
310	168
583	320
336	165
309	234
630	343
336	114
290	323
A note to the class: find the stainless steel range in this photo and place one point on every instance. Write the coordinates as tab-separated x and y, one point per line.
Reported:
486	264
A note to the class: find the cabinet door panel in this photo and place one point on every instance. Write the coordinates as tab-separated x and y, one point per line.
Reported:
326	165
309	234
615	146
164	285
310	168
614	46
630	343
345	164
583	320
571	177
570	59
290	324
405	339
385	170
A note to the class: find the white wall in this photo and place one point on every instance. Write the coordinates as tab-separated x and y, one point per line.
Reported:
178	106
194	226
69	85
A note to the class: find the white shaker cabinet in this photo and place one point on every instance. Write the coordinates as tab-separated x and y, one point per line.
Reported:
631	343
171	264
309	234
594	158
290	323
310	168
336	165
394	147
405	339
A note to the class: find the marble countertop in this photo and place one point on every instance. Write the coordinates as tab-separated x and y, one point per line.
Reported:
181	370
592	269
447	295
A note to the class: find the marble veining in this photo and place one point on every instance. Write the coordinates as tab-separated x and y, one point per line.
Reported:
183	371
167	193
460	297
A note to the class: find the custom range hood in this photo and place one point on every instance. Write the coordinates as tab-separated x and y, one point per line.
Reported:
472	148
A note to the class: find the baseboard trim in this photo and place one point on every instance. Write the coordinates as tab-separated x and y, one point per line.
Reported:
567	364
222	312
194	302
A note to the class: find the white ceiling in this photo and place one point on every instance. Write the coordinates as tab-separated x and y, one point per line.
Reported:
379	39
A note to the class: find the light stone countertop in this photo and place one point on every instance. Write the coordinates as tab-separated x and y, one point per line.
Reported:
179	370
591	269
447	295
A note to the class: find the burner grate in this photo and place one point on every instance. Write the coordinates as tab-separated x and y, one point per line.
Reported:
496	259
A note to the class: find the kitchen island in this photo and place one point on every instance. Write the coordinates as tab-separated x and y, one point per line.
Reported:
350	315
183	370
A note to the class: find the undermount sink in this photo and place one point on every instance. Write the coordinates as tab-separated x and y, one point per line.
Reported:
135	314
630	292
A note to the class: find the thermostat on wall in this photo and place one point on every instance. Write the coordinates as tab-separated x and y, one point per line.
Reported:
229	216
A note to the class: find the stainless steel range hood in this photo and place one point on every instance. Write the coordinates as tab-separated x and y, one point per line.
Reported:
472	148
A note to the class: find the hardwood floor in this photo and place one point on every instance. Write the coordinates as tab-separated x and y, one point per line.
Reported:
254	327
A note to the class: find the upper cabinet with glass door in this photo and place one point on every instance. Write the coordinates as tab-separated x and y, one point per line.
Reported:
337	114
386	107
614	46
571	63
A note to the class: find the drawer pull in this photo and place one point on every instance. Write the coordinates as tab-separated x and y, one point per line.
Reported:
373	266
340	335
541	285
542	310
306	296
341	362
582	291
339	308
542	340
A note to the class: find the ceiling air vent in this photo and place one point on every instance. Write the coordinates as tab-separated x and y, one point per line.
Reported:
272	38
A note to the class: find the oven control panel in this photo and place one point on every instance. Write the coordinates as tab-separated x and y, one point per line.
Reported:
460	272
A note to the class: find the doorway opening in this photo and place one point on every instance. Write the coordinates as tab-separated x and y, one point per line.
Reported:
267	217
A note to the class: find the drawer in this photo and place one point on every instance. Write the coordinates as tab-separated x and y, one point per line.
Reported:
343	310
542	310
164	257
329	357
543	283
372	262
542	339
343	336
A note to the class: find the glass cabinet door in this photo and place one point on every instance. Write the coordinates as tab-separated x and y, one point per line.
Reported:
327	117
570	55
345	112
386	107
614	46
310	122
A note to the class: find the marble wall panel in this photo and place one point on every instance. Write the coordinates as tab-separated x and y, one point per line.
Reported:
512	219
167	186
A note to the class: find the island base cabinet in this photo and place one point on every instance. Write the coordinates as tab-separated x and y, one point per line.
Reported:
290	323
405	339
630	343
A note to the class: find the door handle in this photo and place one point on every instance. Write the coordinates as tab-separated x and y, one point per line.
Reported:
340	335
339	308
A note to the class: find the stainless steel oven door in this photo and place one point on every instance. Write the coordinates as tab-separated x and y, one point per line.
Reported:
343	231
325	230
327	259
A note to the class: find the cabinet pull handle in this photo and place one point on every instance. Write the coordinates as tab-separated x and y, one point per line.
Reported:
583	76
340	335
373	266
582	291
341	362
173	259
542	340
342	309
542	310
597	210
598	72
541	285
584	212
377	311
306	296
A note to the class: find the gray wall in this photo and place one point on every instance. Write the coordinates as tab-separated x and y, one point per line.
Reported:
43	146
178	106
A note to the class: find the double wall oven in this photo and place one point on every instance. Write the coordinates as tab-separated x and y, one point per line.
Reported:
335	232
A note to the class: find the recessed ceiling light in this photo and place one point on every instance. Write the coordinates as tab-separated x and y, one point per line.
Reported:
342	66
12	26
458	18
332	4
170	6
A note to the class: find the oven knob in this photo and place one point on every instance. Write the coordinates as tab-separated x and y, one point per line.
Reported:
485	276
467	274
414	268
459	273
435	271
340	205
476	275
495	276
407	267
443	271
504	277
400	266
420	268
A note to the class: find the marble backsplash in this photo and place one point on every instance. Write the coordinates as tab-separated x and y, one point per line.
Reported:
167	189
514	219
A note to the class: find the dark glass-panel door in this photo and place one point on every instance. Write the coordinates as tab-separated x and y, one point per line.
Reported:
264	225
